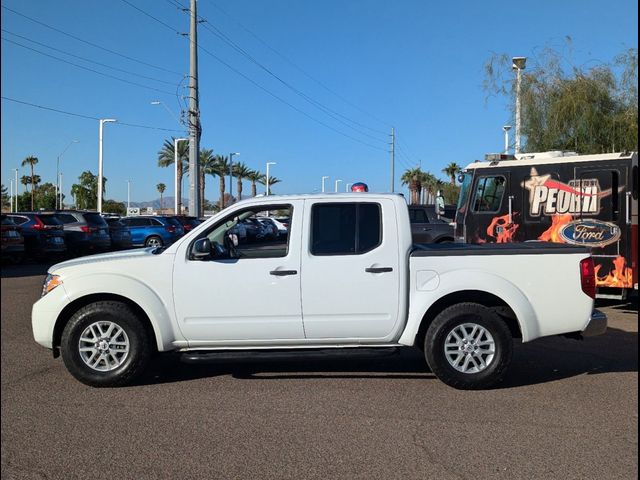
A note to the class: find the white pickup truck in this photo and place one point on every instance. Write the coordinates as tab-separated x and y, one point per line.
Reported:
345	275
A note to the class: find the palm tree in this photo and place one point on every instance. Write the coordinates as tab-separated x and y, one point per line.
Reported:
220	168
272	181
166	159
452	170
254	176
241	171
207	164
161	187
412	177
429	183
31	161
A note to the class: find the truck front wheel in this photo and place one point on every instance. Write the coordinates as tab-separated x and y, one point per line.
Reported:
104	344
468	346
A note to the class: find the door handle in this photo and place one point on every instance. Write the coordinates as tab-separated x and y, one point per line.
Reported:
282	273
378	269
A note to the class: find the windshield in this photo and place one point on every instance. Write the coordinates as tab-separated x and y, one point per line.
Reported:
464	191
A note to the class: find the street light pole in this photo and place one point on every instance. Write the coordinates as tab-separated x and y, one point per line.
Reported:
58	186
323	179
346	187
15	197
100	180
128	196
518	65
336	186
176	203
11	196
268	189
231	174
506	129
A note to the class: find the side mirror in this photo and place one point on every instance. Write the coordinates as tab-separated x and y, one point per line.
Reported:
201	249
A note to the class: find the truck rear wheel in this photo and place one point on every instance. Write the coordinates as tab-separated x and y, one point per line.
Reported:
468	346
104	344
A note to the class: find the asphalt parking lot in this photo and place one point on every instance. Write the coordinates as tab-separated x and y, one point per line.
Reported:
567	409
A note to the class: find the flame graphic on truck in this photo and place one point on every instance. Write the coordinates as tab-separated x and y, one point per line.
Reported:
620	277
552	234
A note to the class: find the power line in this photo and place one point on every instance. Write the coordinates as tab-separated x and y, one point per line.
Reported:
42	107
293	64
152	17
88	59
277	97
91	43
87	68
325	109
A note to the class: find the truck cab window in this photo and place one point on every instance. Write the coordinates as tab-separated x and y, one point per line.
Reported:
488	194
252	233
345	228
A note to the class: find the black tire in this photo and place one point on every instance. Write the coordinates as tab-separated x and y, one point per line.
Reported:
133	364
151	241
445	323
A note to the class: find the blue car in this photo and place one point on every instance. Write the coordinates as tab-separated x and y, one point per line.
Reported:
151	231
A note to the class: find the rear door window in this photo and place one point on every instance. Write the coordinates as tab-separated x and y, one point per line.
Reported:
345	228
66	218
49	220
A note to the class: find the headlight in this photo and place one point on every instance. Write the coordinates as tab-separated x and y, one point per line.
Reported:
51	282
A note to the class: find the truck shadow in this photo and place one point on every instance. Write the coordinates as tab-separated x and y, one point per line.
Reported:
545	360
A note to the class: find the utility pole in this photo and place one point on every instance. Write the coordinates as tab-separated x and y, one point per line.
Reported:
195	207
11	197
393	158
15	197
61	199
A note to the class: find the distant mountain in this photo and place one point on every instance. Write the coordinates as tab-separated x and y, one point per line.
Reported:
167	202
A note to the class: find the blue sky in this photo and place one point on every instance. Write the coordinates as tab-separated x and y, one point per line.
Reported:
414	65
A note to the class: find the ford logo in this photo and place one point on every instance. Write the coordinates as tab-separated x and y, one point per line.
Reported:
590	232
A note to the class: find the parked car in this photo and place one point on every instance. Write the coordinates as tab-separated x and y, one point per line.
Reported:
188	223
43	234
84	232
426	227
270	228
12	241
180	231
281	227
348	276
120	234
255	230
147	231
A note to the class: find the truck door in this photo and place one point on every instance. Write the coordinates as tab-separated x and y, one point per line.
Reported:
350	270
489	218
603	221
253	295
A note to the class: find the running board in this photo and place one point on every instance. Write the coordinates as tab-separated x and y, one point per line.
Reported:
221	356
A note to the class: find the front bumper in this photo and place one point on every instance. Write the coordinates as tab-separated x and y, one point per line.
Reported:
597	324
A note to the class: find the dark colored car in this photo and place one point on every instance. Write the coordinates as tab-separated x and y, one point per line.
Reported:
180	230
188	223
85	232
255	230
151	231
426	227
43	234
12	241
120	234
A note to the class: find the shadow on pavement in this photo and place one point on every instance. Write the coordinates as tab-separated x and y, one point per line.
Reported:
24	270
542	361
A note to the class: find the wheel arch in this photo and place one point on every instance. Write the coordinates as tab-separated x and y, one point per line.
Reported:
78	303
480	297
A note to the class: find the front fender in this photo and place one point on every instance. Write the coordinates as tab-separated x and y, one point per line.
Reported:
461	280
157	309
